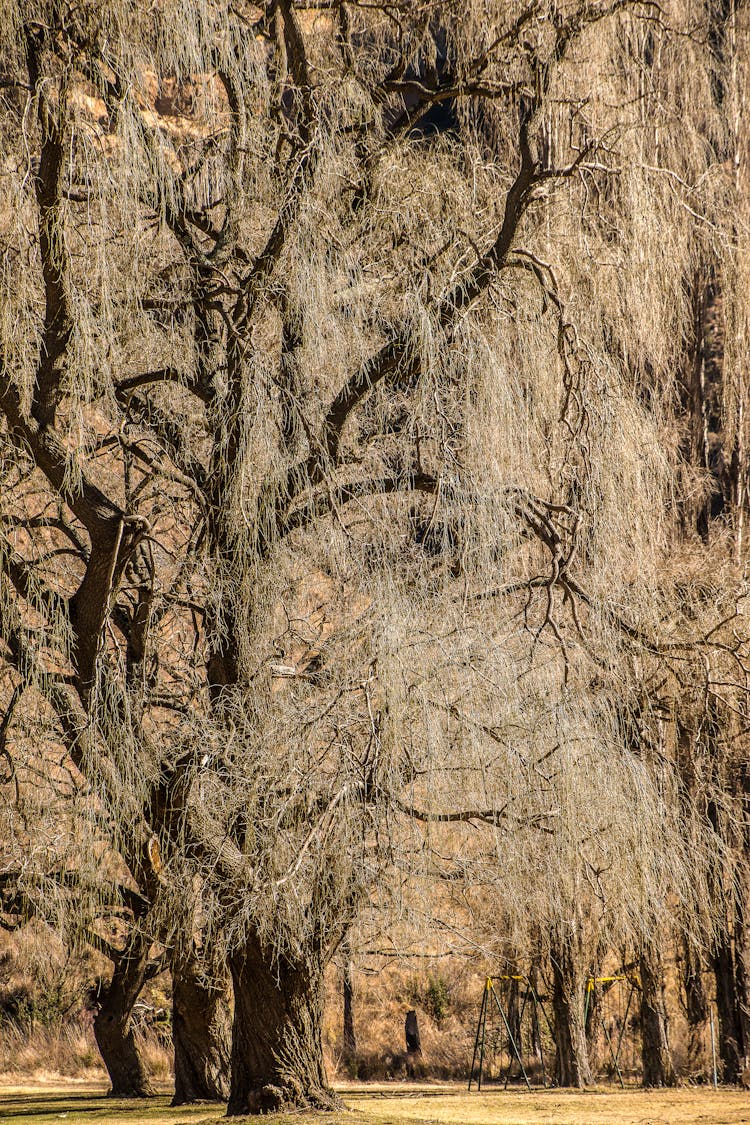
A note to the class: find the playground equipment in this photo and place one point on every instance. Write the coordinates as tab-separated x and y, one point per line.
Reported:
609	1000
513	1023
509	1029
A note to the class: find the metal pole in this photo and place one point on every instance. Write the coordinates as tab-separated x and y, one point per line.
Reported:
713	1043
487	989
535	1011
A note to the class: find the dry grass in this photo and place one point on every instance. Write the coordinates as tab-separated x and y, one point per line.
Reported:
47	1009
68	1051
383	995
397	1104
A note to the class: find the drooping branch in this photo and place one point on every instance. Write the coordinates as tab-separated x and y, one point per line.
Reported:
166	430
339	495
57	328
399	355
96	511
28	584
494	817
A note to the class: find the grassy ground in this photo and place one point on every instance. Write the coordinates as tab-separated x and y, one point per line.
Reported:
78	1103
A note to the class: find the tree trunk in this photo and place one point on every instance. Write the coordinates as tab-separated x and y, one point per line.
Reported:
536	1030
201	1032
350	1038
514	1015
741	927
696	1006
113	1027
728	1004
277	1053
658	1069
696	1001
568	998
732	953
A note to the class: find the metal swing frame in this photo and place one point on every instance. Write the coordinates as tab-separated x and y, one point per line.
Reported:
490	997
614	1051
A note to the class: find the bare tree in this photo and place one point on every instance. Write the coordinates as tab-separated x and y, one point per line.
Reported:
319	512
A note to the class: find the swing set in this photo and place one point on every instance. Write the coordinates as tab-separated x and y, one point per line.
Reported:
509	1026
501	1030
610	1000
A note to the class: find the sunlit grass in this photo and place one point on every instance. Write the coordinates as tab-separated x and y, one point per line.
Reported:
398	1104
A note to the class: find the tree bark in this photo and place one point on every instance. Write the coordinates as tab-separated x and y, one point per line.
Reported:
728	1004
696	1005
277	1053
568	998
732	954
696	1001
201	1032
536	1030
113	1026
741	927
658	1068
350	1038
514	1014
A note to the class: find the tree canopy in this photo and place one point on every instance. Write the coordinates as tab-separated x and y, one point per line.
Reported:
343	370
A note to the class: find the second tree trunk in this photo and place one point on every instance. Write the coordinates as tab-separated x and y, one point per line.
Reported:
201	1032
277	1052
113	1025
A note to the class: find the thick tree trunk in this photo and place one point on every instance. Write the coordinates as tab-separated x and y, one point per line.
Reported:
201	1032
277	1053
658	1068
113	1026
741	926
568	998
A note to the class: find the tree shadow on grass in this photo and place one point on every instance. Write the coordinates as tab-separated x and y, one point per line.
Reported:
89	1107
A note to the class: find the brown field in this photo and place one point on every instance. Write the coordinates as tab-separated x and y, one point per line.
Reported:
82	1103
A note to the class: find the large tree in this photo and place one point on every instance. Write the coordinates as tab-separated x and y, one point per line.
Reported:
311	484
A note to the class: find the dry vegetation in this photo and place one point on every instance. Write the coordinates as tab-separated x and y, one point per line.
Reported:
373	496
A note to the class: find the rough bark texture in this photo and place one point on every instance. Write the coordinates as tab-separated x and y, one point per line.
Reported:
277	1054
202	1033
572	1064
658	1068
741	927
113	1027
